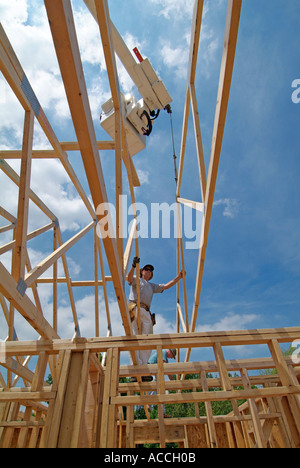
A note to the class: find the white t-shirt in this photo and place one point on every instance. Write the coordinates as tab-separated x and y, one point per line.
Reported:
147	290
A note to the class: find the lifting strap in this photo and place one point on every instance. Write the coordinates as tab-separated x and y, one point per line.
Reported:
169	111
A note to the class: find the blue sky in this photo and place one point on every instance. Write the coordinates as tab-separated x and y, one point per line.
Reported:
251	276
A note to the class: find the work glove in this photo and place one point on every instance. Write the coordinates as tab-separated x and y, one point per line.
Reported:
136	260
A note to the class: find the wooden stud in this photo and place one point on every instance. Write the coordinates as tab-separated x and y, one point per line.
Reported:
209	412
67	49
231	34
23	304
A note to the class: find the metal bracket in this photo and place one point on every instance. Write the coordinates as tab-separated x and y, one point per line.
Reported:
21	287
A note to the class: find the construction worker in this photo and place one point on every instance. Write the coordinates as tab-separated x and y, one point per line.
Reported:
147	289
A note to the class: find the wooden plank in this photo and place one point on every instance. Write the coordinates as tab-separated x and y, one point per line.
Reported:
12	70
18	264
71	425
7	215
228	387
231	34
28	396
55	290
191	204
66	269
4	229
39	374
70	400
209	413
8	287
51	154
180	253
103	19
32	276
104	279
96	288
18	369
67	49
51	431
219	395
129	246
16	179
10	245
259	435
106	401
286	379
181	318
195	40
130	175
112	414
199	145
194	47
161	389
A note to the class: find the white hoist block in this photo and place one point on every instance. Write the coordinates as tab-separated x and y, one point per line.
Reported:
136	140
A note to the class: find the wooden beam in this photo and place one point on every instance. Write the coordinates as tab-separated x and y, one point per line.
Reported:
34	274
8	287
62	247
220	395
103	19
231	35
194	48
7	215
195	40
129	245
199	145
18	81
32	195
10	245
51	154
176	340
191	204
260	438
64	36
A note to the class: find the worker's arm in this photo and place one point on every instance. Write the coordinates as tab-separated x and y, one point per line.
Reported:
131	271
130	275
173	282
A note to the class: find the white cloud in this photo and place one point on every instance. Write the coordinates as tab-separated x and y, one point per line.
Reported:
176	57
231	209
85	309
170	8
52	184
164	326
89	38
229	322
143	175
14	10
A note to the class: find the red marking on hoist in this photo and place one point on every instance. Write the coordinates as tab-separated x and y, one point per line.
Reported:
137	53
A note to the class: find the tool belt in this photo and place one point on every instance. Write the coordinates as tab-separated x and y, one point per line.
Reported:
132	311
